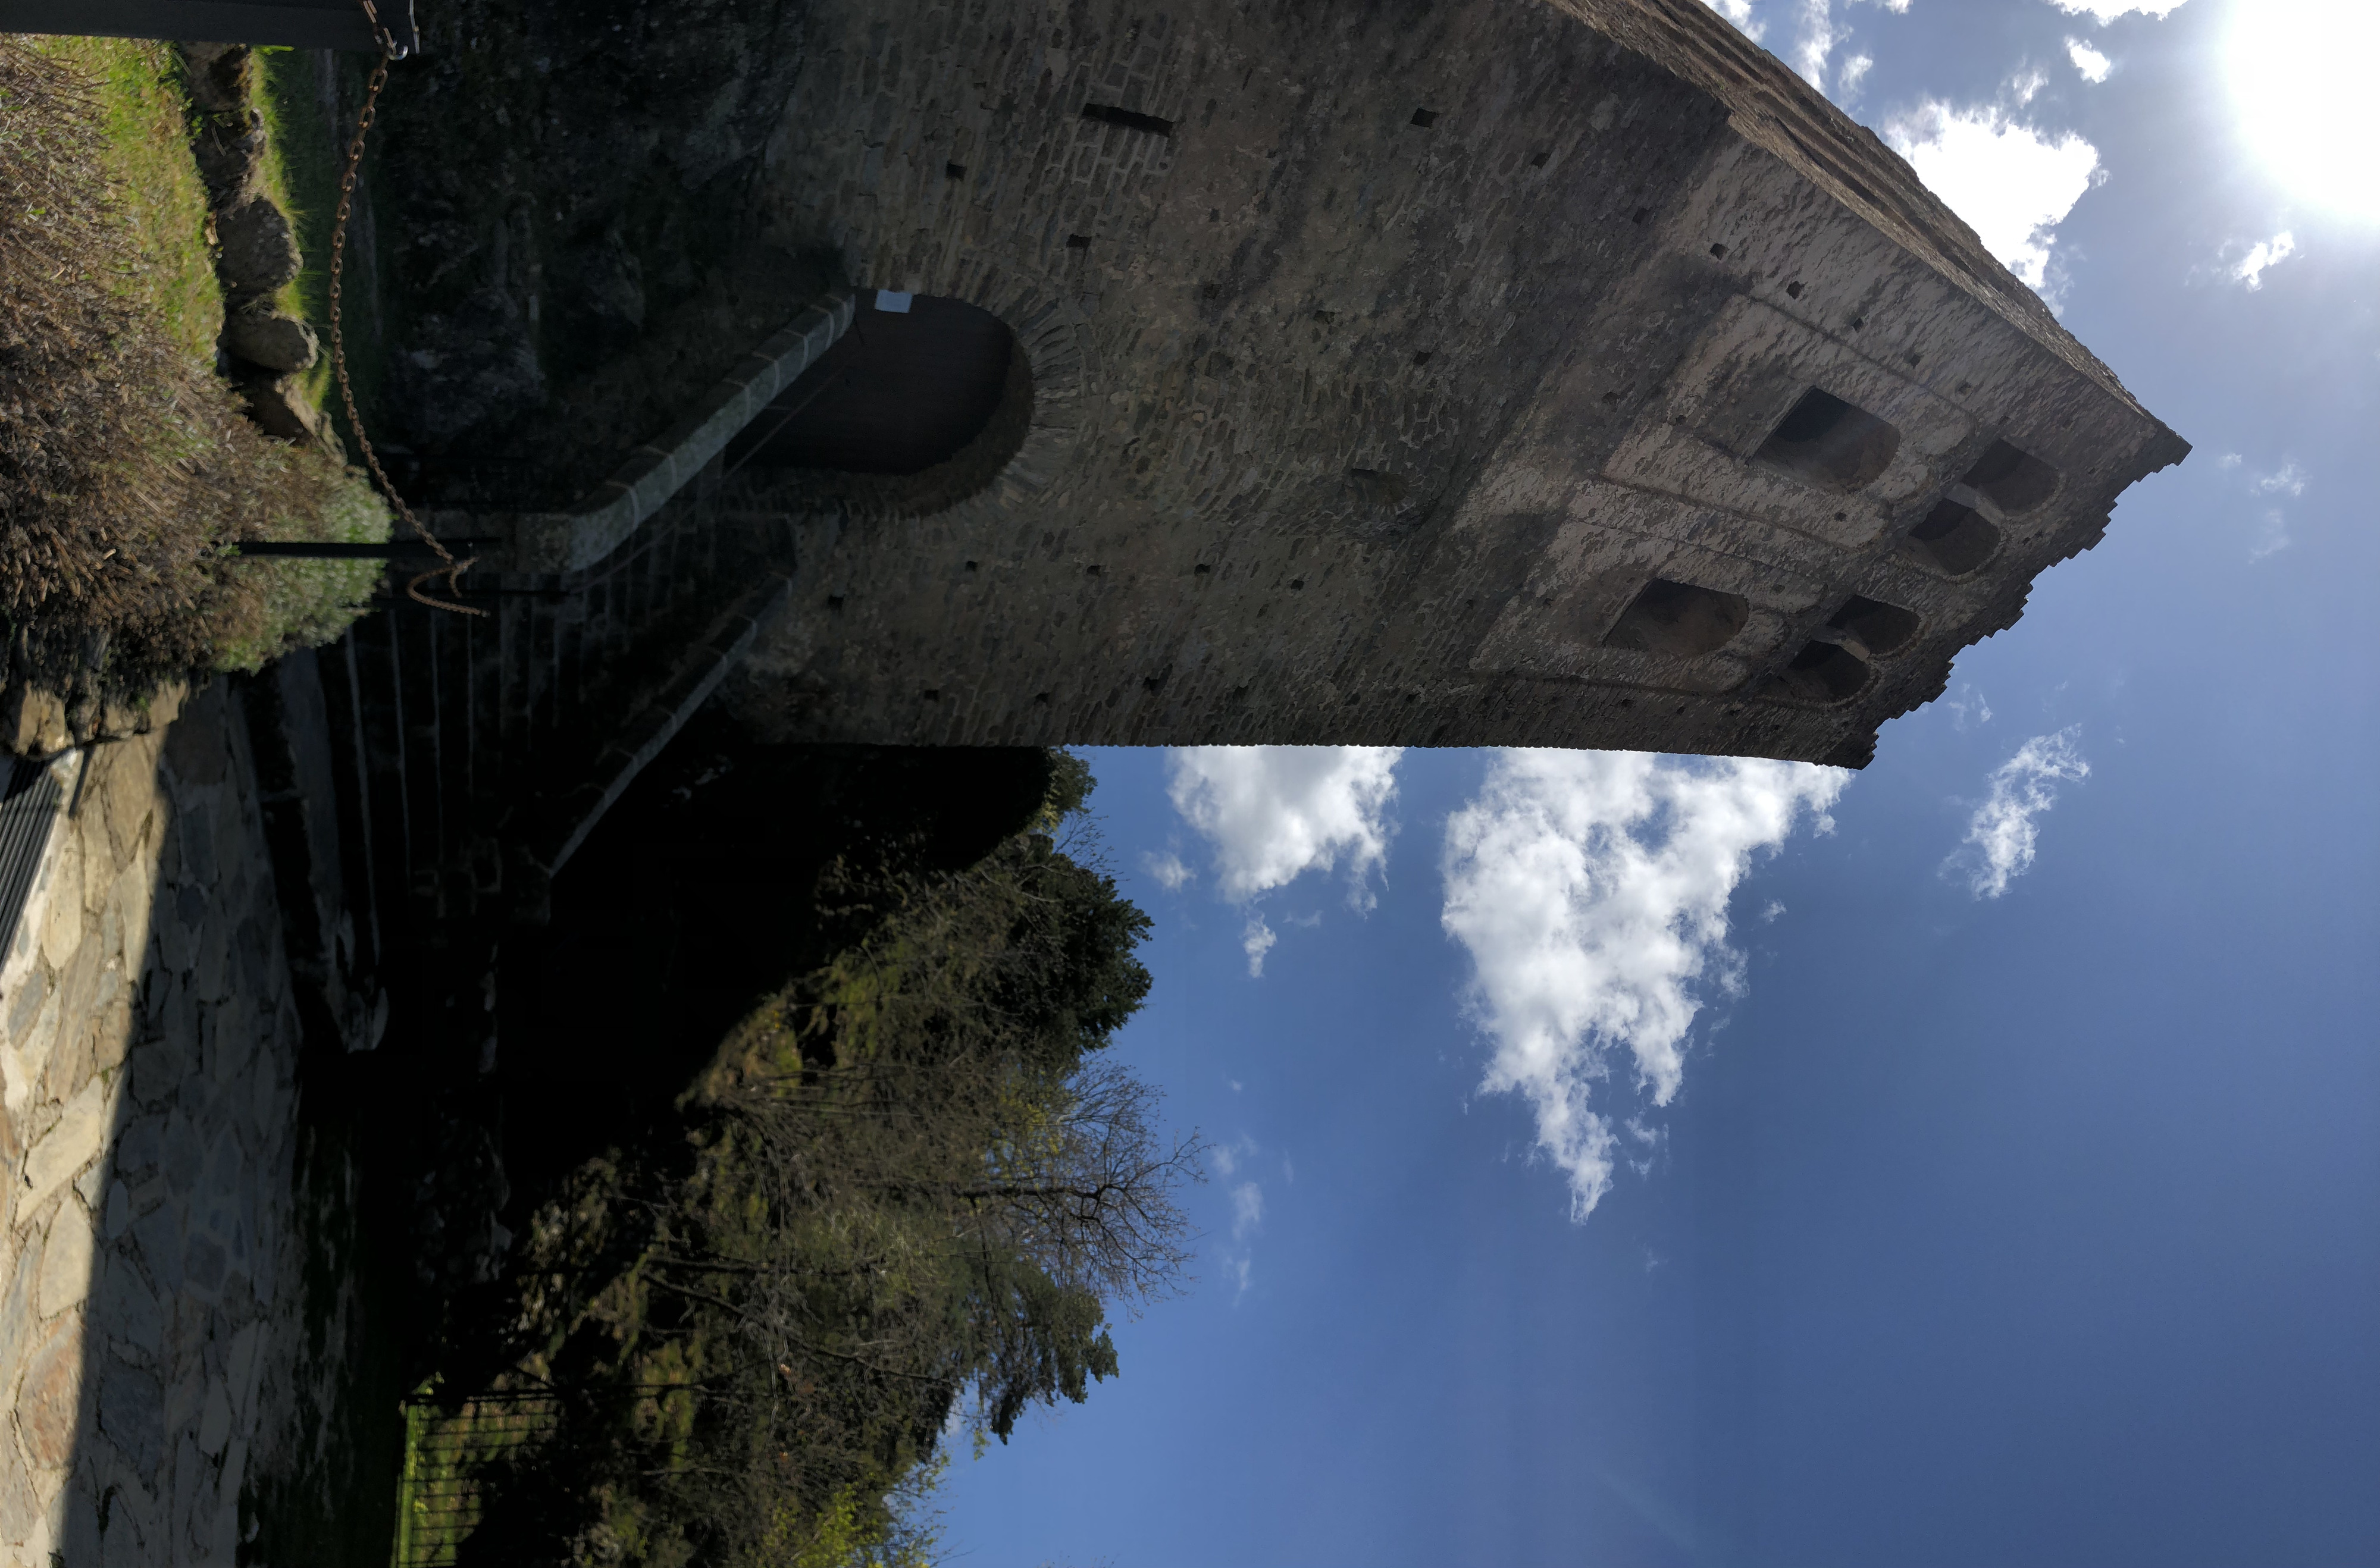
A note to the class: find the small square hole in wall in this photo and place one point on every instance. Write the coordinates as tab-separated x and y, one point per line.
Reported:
1639	215
954	170
931	694
1078	242
1719	252
1210	291
1537	161
1793	290
1425	118
1421	357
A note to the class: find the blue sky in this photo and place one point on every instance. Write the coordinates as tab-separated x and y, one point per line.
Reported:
1971	1161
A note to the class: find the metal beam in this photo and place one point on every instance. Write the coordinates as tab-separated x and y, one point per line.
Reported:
299	24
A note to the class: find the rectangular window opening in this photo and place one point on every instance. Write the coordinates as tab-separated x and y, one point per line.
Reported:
1110	114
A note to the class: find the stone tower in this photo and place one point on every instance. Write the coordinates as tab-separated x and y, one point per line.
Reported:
1535	372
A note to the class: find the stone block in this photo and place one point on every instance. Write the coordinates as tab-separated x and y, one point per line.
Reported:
211	977
21	1506
89	1184
215	1419
127	797
230	1040
124	1309
24	1005
141	1140
67	1261
26	1061
17	1316
265	337
62	904
67	1147
242	1361
193	1494
203	1264
158	1235
195	747
195	823
182	1154
129	900
33	722
49	1402
260	252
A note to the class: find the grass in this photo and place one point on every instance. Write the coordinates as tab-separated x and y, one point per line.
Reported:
144	155
126	470
303	154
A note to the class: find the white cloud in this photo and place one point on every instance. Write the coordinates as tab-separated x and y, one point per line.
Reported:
1256	941
1853	73
1591	890
1247	1210
2272	536
1247	1218
1740	13
2002	836
1274	813
2249	268
2229	460
2273	526
1167	869
2106	11
2012	182
2093	66
1969	709
1815	41
2288	481
1227	1158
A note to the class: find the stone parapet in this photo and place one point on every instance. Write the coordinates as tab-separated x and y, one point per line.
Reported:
148	1054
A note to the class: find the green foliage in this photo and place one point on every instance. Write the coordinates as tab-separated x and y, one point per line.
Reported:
911	1193
308	603
126	467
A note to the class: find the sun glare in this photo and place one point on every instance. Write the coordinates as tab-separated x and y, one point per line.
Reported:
2300	76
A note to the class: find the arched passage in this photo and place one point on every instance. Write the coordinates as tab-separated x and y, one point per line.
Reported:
918	407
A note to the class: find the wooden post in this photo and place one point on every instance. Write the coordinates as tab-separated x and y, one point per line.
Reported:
300	24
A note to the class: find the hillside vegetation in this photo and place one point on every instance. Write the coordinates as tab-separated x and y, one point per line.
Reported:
126	467
896	1209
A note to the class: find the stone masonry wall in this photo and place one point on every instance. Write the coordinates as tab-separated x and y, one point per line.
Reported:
1379	363
149	1049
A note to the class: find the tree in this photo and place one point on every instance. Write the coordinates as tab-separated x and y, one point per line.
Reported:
917	1190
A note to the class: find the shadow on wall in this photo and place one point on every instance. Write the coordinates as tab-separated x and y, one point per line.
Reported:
170	1347
919	406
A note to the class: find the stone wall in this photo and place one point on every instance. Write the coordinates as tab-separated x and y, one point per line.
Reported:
1382	353
149	1048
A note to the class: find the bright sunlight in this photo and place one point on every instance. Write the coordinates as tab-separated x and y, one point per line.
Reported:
2296	74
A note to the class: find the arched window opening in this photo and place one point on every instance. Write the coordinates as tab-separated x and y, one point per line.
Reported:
2016	480
1952	539
1880	628
1823	672
917	406
1829	443
1679	619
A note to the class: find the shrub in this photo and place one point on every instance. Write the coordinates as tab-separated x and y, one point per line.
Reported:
126	467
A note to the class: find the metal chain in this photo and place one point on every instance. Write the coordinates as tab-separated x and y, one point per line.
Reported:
453	570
